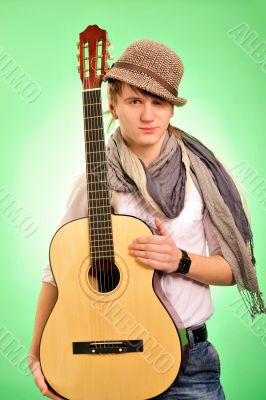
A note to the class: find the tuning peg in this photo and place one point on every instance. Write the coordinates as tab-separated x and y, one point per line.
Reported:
109	57
78	56
109	44
78	68
78	45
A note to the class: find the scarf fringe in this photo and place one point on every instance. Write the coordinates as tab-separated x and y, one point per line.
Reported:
253	302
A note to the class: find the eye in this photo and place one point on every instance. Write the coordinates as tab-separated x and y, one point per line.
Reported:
135	101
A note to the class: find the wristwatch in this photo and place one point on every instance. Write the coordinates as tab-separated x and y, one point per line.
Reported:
184	263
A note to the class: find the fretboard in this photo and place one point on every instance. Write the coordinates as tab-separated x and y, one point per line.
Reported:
99	210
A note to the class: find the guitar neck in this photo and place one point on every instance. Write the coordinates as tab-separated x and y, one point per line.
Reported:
99	209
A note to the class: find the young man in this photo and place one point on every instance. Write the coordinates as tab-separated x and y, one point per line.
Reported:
171	181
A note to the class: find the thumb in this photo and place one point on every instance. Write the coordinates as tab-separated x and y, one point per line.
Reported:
161	227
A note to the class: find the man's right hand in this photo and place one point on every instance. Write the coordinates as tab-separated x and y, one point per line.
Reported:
40	381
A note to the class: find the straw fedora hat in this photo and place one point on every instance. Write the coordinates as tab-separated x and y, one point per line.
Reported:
151	66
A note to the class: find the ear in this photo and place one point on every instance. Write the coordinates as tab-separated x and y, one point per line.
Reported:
113	111
173	112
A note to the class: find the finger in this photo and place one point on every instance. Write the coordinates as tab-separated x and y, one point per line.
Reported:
155	247
50	395
40	381
153	263
162	228
153	239
150	255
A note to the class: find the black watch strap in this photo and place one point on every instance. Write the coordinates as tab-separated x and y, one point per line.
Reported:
184	263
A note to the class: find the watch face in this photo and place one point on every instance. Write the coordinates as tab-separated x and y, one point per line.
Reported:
184	265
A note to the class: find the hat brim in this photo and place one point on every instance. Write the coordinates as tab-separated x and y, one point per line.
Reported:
143	81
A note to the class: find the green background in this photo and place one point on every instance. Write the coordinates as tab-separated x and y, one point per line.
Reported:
42	148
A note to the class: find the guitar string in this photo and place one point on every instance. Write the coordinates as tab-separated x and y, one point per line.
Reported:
87	146
97	278
93	326
102	186
93	131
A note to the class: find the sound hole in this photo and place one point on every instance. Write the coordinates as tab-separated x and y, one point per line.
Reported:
104	276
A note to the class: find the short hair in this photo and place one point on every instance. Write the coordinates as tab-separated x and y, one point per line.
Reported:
115	87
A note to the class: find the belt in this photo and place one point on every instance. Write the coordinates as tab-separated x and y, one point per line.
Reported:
193	335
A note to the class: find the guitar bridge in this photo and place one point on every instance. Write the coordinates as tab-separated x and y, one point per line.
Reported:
108	347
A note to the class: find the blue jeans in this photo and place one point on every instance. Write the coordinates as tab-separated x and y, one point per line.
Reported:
199	375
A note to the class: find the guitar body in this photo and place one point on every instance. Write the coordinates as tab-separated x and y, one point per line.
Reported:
130	316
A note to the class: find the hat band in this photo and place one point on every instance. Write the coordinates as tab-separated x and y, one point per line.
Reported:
146	71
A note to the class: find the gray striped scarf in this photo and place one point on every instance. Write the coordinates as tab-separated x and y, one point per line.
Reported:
181	155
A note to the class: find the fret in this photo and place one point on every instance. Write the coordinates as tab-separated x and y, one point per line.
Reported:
95	191
86	116
92	104
105	250
93	214
97	173
104	212
95	141
95	116
97	231
103	240
98	214
99	244
100	189
103	236
109	251
103	191
98	205
99	200
94	136
102	198
92	148
95	152
103	247
103	206
93	129
95	177
98	228
107	221
99	255
97	181
95	162
104	256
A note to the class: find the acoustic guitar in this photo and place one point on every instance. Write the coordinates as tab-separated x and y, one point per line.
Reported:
108	336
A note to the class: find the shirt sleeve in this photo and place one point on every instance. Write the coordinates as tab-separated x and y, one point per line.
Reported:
76	207
212	242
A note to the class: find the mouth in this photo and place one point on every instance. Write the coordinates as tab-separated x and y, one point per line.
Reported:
149	129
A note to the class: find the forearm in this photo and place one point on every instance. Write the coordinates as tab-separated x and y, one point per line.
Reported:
211	270
46	302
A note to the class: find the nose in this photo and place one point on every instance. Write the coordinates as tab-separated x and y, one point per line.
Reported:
147	114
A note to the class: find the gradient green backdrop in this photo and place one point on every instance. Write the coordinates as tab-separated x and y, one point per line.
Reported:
42	148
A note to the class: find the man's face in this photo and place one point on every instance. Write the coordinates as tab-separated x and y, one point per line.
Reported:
137	113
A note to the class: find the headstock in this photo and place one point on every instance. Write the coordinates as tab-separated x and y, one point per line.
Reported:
93	56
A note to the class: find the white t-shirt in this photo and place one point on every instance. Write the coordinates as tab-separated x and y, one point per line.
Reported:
189	302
